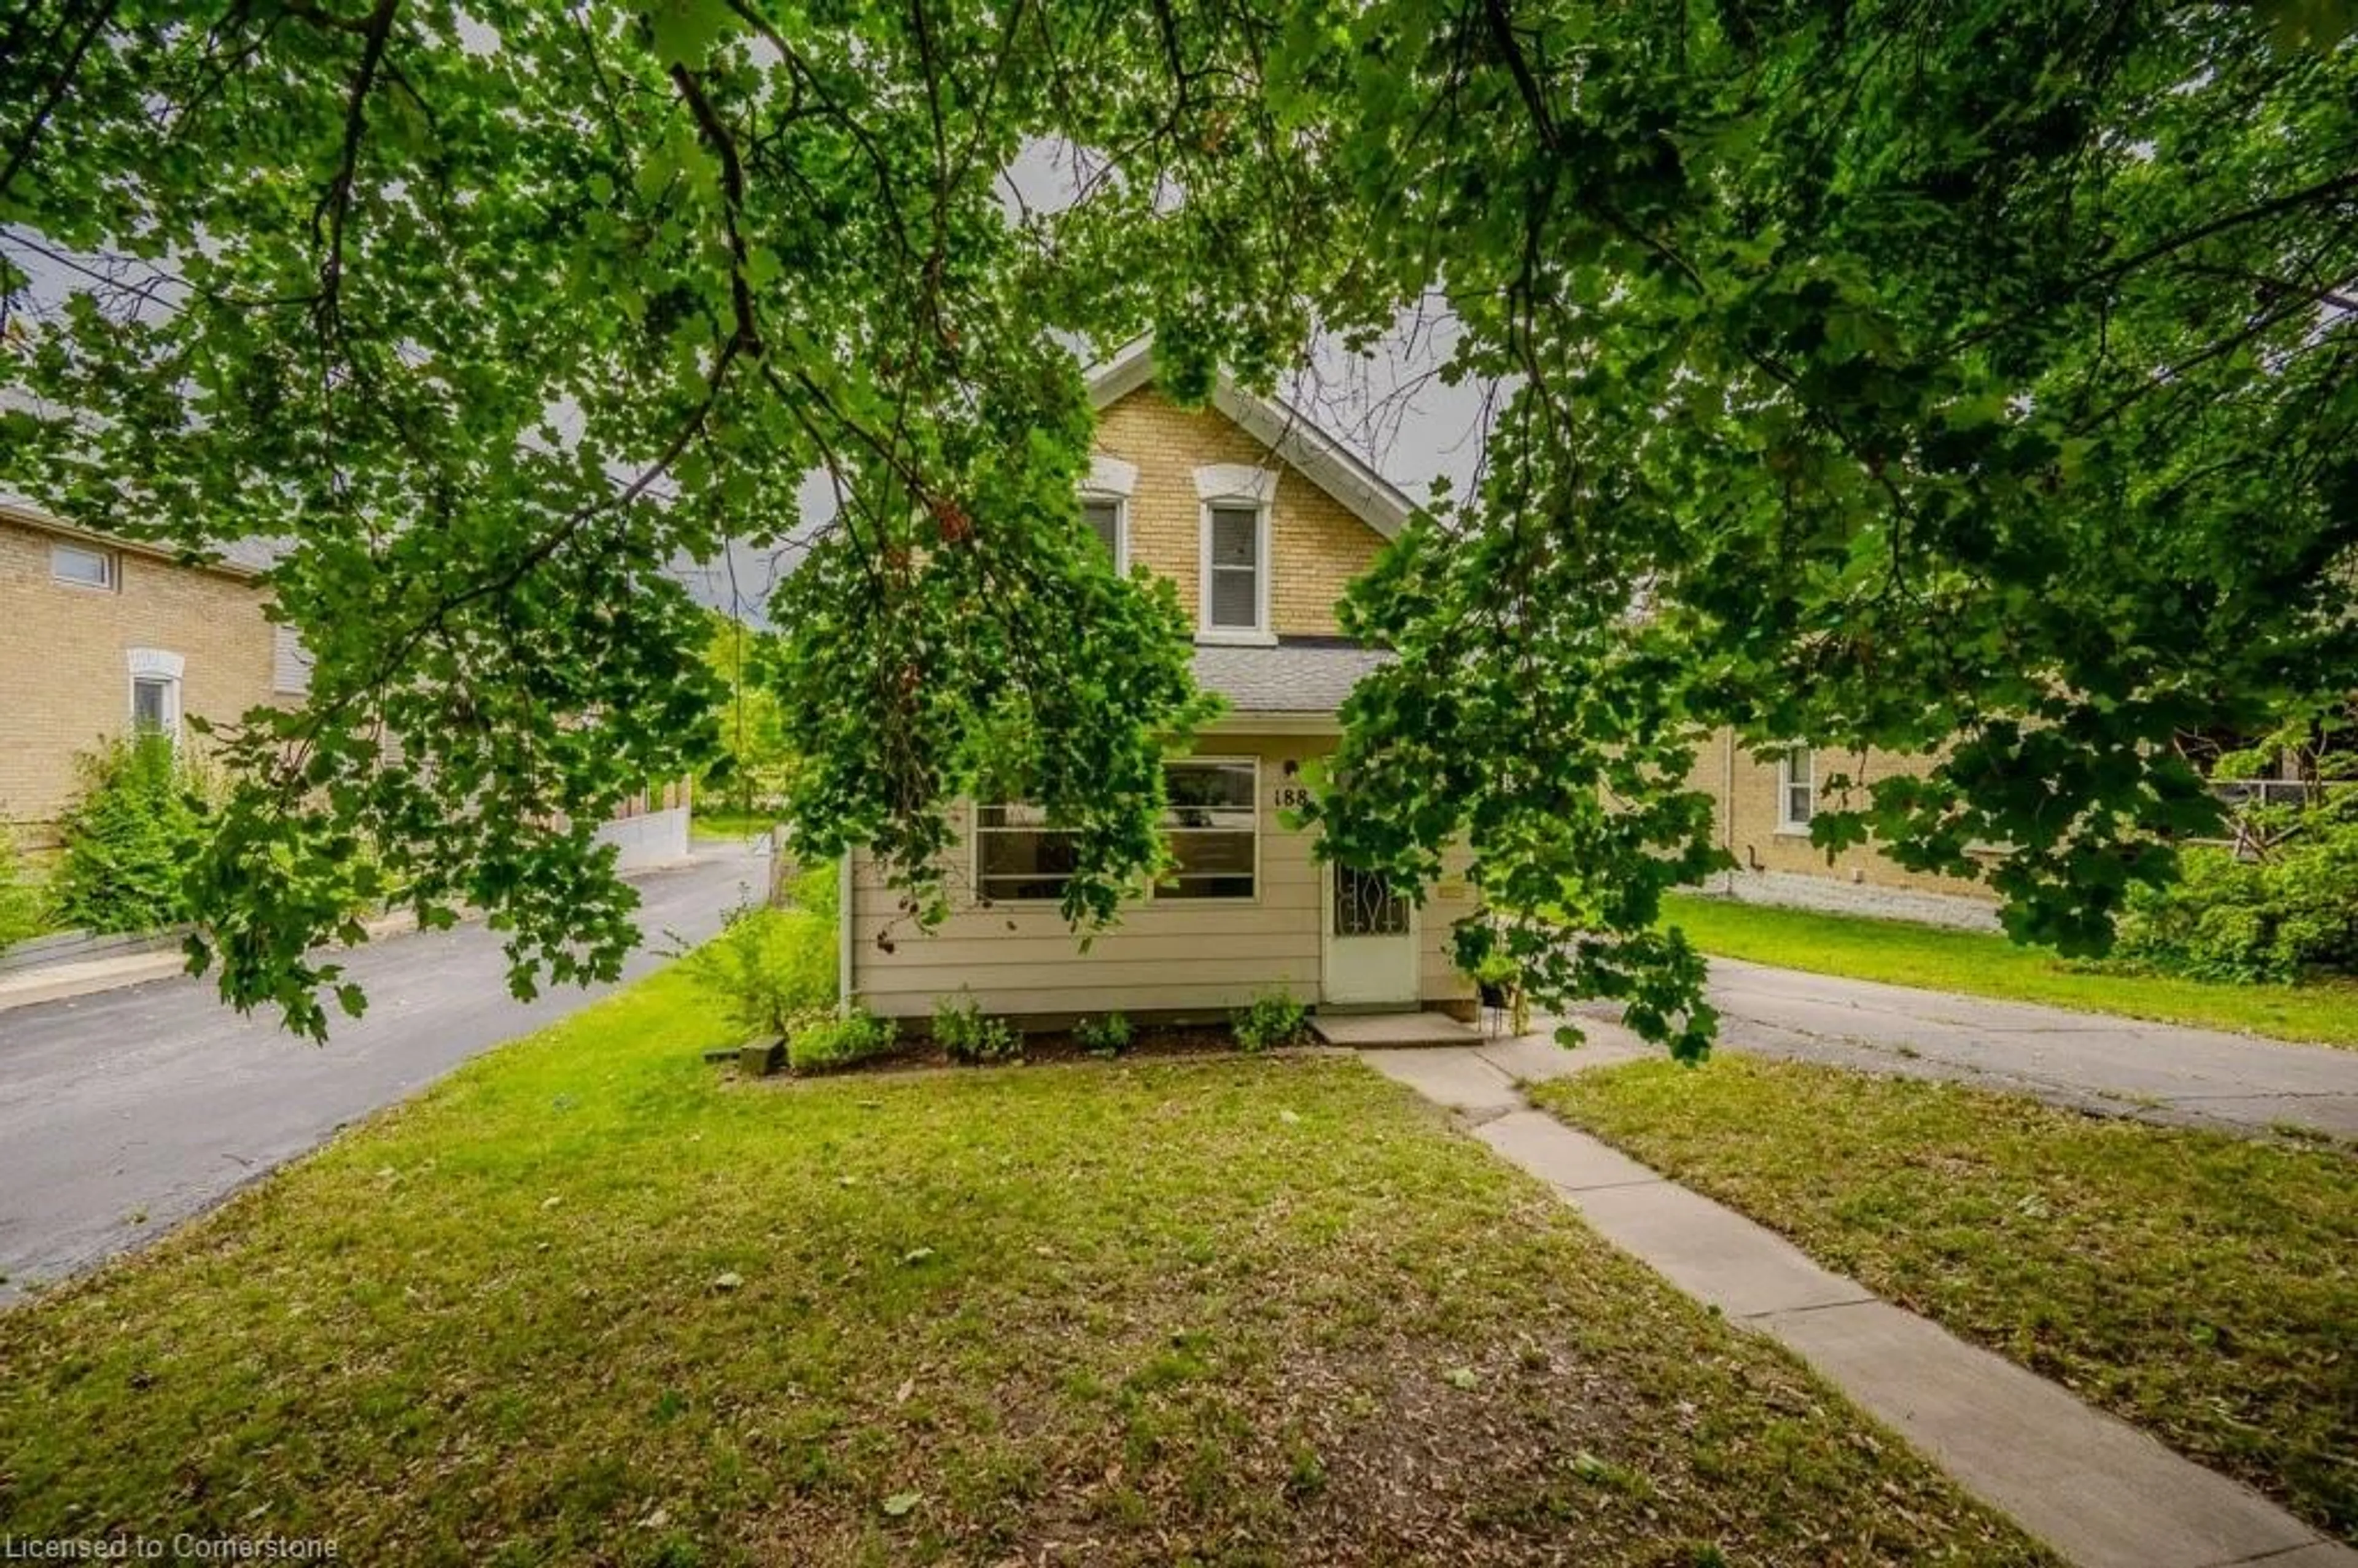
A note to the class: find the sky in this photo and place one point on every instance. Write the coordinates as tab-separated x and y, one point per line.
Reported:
1387	405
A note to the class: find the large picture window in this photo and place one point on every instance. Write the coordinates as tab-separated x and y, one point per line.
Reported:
1214	826
1212	822
1018	857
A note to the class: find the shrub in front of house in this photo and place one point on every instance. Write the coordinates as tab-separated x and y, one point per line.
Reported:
1105	1036
965	1034
24	910
827	1044
139	822
770	969
2291	912
1274	1019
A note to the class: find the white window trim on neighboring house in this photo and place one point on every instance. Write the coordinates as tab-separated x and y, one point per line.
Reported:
1787	782
163	669
290	661
110	567
1224	487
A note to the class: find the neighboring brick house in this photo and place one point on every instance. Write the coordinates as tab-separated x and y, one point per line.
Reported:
1260	520
1761	808
106	636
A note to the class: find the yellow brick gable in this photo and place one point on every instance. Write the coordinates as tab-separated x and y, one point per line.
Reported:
1317	546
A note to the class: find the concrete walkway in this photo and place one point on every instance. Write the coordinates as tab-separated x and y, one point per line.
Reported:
2095	1062
2100	1492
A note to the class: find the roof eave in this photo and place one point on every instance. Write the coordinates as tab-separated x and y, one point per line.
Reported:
34	517
1246	722
1285	430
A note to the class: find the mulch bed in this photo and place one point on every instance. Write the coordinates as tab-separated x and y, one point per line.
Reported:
1147	1041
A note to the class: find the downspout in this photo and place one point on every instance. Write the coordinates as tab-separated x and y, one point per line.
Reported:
843	939
1727	804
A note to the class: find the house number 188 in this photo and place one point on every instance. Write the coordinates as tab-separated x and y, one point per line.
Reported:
1292	798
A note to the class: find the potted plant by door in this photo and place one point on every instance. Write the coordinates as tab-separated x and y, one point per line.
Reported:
1501	985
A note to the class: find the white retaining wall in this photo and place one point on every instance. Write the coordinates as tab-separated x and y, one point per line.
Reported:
1793	890
650	839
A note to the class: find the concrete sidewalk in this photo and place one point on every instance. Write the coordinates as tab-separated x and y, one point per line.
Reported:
2096	1062
2102	1493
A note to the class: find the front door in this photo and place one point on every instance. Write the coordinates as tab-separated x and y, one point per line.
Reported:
1370	946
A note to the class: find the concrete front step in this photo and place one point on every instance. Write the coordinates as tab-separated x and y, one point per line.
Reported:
1382	1031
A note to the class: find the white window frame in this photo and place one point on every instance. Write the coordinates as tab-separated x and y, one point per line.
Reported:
164	669
1111	479
1240	487
109	566
1787	783
1228	901
1120	505
976	830
1259	634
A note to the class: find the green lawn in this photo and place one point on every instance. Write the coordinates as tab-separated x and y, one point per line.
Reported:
702	824
2202	1286
587	1301
1982	964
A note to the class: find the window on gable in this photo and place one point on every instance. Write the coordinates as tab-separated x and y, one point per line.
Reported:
1232	598
1211	822
1797	789
83	567
1103	515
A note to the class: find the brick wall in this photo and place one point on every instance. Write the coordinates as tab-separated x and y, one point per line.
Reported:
65	681
1318	547
1744	808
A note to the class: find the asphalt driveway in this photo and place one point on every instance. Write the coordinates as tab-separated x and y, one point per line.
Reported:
125	1112
2097	1062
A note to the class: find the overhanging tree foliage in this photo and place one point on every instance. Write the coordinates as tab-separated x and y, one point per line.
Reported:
1966	379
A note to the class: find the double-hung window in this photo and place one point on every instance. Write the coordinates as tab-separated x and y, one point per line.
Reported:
1211	821
1103	515
1239	502
1797	789
1235	590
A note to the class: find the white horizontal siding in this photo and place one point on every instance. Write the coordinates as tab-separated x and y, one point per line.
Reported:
1195	956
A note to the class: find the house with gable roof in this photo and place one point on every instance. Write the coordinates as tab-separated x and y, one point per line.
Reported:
1260	520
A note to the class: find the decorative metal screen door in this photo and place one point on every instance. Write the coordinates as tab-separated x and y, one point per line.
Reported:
1369	950
1365	905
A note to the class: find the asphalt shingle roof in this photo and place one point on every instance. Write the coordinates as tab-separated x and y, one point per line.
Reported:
1293	677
